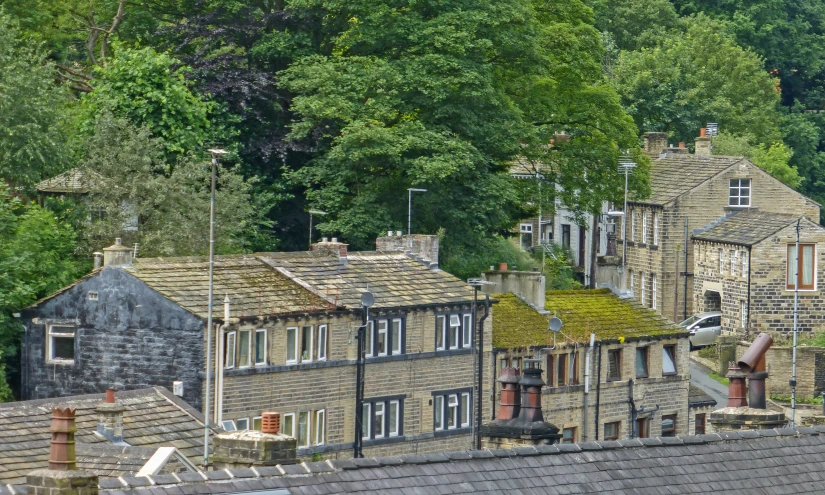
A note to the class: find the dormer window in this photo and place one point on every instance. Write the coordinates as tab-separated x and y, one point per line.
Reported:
740	192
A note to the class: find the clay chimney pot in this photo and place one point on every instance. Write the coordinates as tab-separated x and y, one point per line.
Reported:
271	422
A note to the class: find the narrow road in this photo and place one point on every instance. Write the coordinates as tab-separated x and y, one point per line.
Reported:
699	377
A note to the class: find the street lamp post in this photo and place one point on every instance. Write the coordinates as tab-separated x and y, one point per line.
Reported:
625	166
313	212
409	216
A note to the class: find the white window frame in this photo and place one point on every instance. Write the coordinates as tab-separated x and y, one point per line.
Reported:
721	261
294	420
643	289
452	409
466	408
442	345
644	227
321	344
383	328
255	347
632	225
310	347
370	336
630	275
248	349
656	228
259	419
242	423
438	412
737	199
366	413
50	357
734	262
814	267
319	435
397	342
308	440
525	228
295	345
744	264
228	425
379	411
394	426
653	290
467	330
455	329
231	343
743	308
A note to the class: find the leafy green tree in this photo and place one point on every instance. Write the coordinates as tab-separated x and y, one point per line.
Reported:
32	111
699	75
774	159
635	24
126	171
36	258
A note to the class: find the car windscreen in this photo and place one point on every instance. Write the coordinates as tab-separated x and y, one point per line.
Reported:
690	321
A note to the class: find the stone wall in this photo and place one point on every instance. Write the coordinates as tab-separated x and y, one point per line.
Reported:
702	206
727	291
129	336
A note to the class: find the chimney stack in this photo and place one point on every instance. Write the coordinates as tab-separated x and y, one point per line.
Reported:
702	143
531	385
333	247
110	418
62	476
98	259
424	247
117	254
510	395
247	448
655	142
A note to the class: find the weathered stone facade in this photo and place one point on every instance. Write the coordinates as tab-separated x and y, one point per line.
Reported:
691	192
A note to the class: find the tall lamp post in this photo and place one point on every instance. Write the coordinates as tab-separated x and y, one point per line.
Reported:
313	212
625	166
215	154
409	215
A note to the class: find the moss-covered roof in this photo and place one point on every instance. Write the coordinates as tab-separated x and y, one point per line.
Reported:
517	325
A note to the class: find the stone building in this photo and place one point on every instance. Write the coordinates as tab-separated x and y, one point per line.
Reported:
639	367
691	191
700	405
288	344
745	266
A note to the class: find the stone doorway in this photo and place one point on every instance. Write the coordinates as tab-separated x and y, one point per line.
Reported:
713	301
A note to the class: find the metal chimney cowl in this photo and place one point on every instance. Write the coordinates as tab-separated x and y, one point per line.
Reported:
117	254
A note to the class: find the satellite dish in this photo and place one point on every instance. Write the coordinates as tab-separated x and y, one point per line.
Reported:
367	299
555	324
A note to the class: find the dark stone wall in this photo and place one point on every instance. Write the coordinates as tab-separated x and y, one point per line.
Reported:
131	336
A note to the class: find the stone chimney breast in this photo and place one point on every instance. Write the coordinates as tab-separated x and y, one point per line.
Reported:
333	247
655	142
247	448
110	418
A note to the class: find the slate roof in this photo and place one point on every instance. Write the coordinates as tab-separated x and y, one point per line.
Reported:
699	398
70	181
153	418
746	227
782	461
677	173
517	325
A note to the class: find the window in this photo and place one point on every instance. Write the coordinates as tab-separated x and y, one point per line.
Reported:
653	290
378	430
641	362
574	368
642	428
243	423
467	331
306	343
260	346
740	192
551	371
366	420
526	232
229	350
243	348
669	425
303	429
455	324
632	225
228	425
322	343
291	345
369	346
562	375
643	290
611	430
734	262
565	235
319	427
397	337
630	274
644	227
452	410
381	341
721	262
93	295
440	332
669	360
743	313
288	424
744	263
394	416
656	229
801	267
614	364
699	425
568	435
60	345
256	423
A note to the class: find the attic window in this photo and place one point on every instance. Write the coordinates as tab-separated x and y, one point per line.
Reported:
92	296
740	192
60	344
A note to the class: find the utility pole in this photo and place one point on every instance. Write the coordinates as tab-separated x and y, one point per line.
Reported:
625	165
313	212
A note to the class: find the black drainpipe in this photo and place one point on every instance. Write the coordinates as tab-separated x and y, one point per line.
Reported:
481	367
748	309
633	412
598	389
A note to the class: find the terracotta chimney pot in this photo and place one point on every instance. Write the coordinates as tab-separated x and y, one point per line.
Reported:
271	422
703	132
62	455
